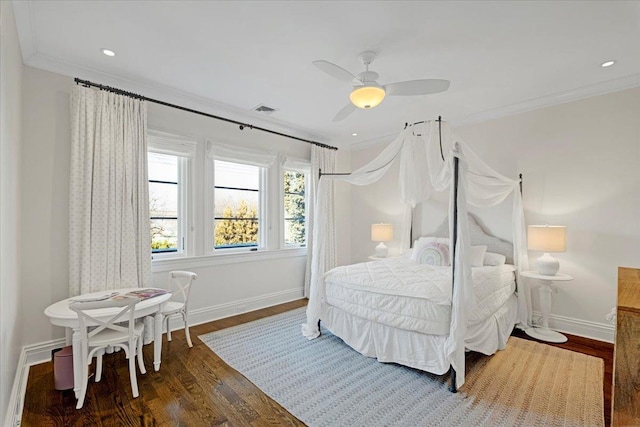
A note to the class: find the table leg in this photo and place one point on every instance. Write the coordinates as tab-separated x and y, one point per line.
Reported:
157	339
545	304
68	334
77	361
543	332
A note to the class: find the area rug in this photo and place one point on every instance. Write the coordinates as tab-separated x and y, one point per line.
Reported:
324	382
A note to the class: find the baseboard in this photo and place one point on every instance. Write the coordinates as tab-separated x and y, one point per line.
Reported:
220	311
583	328
29	355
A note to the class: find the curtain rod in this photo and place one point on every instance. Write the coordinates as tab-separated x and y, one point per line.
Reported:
87	83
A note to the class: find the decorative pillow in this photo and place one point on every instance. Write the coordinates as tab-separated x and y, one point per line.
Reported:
477	255
492	258
431	253
424	239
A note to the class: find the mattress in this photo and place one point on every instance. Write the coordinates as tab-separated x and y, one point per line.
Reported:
417	297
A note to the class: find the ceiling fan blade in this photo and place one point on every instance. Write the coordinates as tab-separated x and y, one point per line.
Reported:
335	71
342	114
417	87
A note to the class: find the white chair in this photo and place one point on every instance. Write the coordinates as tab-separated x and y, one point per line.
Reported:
180	285
97	335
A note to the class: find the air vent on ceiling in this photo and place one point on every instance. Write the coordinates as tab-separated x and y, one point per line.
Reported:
264	109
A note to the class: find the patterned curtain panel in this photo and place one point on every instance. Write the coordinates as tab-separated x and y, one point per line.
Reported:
109	239
325	159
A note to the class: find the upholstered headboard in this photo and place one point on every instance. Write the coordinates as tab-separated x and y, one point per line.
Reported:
480	237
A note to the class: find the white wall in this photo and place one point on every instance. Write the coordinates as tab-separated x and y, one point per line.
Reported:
225	286
375	203
10	140
580	162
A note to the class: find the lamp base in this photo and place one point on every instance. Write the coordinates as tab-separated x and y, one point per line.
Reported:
547	265
382	250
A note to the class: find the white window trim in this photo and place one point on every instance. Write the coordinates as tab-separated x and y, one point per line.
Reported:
184	149
168	143
296	165
224	259
263	218
238	154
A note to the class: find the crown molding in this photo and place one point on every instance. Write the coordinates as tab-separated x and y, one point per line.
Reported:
610	86
615	85
169	94
23	11
363	145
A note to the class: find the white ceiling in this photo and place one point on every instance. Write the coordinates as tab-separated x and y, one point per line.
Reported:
227	57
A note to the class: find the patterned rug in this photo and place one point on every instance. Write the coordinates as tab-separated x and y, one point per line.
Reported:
324	382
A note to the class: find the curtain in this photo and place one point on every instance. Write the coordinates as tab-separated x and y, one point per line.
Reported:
325	159
109	238
423	170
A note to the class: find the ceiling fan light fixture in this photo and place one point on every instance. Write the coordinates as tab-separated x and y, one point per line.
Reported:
367	96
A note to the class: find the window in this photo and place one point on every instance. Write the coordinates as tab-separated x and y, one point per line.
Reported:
237	202
164	203
295	208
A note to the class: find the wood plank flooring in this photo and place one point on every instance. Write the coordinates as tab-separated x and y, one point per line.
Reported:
194	387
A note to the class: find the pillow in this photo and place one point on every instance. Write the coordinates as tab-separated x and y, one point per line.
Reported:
431	253
477	255
423	239
492	258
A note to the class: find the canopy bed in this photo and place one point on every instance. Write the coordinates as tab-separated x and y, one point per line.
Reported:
399	310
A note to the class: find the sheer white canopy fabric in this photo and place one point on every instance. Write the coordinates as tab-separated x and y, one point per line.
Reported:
423	170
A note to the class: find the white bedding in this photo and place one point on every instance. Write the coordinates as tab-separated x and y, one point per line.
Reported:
416	297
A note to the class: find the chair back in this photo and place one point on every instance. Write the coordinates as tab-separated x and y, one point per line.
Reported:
181	281
88	313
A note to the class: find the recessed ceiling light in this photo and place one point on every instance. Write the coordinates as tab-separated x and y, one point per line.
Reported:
354	134
607	64
108	52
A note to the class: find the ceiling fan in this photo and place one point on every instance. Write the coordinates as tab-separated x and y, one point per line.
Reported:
368	93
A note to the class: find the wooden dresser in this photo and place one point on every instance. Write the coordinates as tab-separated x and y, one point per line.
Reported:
625	399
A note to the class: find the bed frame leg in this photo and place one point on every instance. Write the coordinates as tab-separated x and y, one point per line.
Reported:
452	384
319	330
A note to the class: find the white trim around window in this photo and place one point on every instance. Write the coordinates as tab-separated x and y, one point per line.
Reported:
184	150
295	165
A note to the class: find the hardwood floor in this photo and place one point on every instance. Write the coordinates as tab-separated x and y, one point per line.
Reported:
194	387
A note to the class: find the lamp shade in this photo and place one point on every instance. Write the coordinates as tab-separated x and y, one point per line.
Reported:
547	238
367	96
381	232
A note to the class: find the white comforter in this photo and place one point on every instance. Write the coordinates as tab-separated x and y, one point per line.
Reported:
417	297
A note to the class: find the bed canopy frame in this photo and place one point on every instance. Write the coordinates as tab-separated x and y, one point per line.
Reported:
459	171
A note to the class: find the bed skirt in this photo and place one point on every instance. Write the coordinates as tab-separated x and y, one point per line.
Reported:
414	349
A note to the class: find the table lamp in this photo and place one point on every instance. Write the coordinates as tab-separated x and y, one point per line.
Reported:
381	233
547	238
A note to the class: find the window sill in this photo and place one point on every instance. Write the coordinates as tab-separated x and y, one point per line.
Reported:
183	263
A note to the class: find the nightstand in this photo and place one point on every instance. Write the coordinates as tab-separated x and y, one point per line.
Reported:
542	332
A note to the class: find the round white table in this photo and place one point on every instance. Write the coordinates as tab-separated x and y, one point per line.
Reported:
60	314
542	332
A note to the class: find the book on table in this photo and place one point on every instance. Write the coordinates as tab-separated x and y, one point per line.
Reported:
143	294
146	293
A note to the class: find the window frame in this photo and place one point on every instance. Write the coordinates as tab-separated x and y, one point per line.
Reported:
300	166
263	214
184	150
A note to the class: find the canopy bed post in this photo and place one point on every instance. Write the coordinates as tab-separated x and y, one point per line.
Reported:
454	238
520	178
